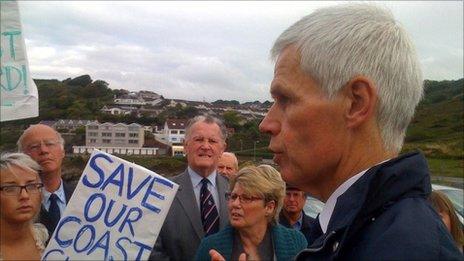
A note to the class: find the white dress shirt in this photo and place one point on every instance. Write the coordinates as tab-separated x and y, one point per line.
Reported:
196	182
61	198
327	211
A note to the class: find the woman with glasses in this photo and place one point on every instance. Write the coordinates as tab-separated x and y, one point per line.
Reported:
254	203
20	201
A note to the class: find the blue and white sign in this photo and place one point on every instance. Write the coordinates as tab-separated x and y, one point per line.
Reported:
19	96
115	213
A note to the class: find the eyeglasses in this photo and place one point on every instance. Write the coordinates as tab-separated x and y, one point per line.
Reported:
35	147
15	190
244	199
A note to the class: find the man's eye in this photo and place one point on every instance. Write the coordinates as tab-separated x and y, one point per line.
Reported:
34	146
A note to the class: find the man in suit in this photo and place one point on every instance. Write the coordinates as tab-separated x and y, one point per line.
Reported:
199	208
292	214
346	83
46	146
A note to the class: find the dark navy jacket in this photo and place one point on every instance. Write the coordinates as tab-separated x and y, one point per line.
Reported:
385	216
305	224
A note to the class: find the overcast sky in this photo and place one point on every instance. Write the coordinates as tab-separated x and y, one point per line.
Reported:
203	50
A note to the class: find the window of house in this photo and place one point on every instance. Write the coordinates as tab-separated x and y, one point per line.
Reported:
119	141
181	132
119	134
92	127
106	134
106	141
93	134
133	135
93	141
133	141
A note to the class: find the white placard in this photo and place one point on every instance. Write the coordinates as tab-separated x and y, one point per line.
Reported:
19	96
115	213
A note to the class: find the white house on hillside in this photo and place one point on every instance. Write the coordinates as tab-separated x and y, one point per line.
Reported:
174	130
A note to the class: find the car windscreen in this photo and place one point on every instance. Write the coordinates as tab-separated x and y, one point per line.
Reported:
456	197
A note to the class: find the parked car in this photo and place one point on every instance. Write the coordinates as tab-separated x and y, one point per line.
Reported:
456	196
312	207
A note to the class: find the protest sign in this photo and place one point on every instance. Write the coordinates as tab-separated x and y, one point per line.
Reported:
19	96
115	213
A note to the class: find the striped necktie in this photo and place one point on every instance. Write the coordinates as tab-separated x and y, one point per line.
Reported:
209	213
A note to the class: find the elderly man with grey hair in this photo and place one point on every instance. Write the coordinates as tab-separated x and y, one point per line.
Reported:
228	165
199	208
346	84
46	146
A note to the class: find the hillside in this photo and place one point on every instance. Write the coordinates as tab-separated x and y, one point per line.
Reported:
437	128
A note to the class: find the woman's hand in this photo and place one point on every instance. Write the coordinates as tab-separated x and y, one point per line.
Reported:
215	256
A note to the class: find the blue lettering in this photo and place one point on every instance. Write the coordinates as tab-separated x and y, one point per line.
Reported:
129	221
118	245
109	223
65	243
131	194
55	257
88	205
11	34
102	243
142	248
98	170
12	81
118	172
151	192
90	239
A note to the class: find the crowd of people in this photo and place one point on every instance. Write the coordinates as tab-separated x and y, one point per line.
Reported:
346	84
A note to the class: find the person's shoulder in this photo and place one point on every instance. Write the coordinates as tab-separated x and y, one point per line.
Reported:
408	224
40	233
219	241
178	176
288	233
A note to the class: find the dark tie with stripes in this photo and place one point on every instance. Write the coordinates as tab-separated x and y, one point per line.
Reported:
209	213
54	210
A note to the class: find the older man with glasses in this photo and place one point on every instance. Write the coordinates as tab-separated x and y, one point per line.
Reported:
46	146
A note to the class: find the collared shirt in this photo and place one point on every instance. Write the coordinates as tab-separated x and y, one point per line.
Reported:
61	198
298	223
196	182
326	213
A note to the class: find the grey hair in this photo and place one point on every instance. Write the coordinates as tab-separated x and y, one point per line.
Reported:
226	153
207	119
20	144
7	160
340	42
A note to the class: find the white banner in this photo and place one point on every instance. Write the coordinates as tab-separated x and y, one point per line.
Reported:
19	96
115	213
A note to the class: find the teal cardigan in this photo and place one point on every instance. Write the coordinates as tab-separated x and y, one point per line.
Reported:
287	243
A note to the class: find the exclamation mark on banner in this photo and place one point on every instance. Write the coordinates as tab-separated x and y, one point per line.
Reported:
24	76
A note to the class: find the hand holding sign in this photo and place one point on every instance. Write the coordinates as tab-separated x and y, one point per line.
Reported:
116	212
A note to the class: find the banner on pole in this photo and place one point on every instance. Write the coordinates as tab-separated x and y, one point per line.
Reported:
18	92
116	212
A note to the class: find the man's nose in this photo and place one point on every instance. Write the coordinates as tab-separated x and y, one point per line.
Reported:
43	148
270	124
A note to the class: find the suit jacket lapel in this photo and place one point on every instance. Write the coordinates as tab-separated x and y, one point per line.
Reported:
223	187
67	192
187	200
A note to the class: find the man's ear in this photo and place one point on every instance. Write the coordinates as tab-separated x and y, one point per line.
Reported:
362	99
